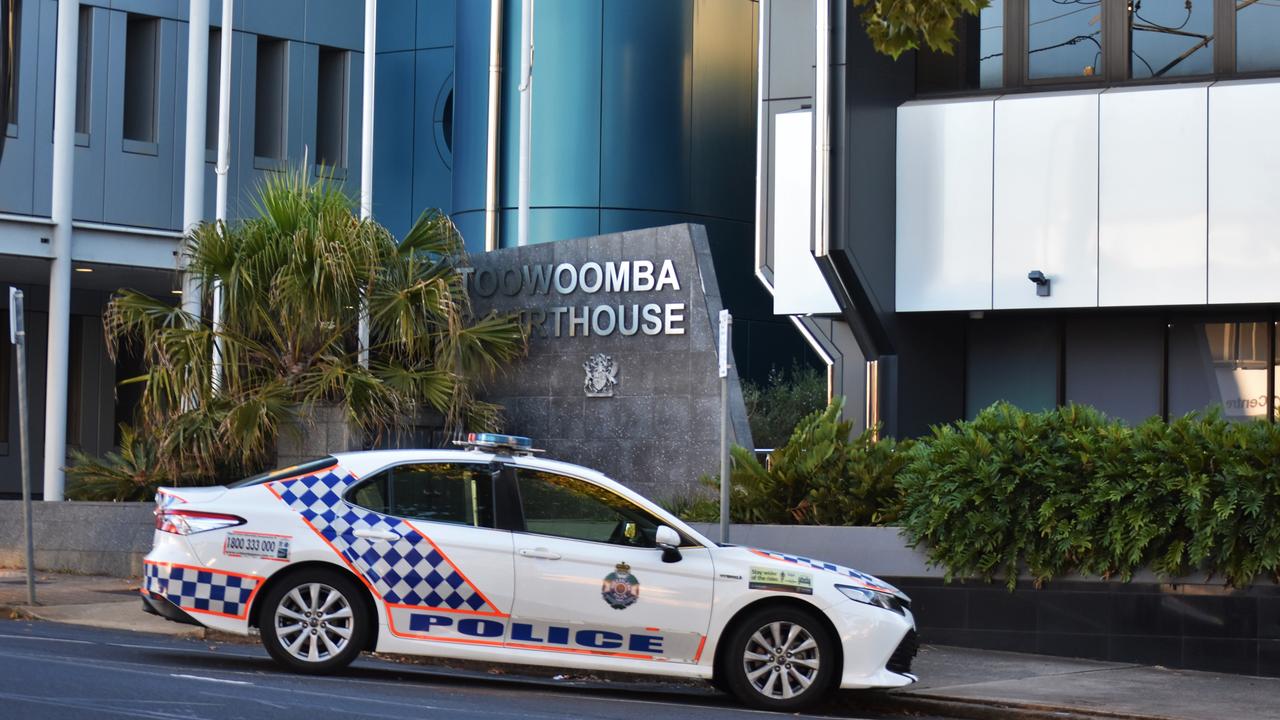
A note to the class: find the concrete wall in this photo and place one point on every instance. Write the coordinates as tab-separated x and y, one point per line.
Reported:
89	538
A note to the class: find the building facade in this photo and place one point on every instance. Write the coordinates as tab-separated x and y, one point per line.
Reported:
643	115
1074	207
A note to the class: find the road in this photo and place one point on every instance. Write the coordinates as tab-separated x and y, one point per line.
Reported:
61	671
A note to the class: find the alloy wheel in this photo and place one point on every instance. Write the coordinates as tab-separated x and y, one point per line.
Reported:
781	660
314	622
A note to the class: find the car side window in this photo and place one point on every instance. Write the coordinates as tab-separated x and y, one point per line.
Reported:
460	493
572	508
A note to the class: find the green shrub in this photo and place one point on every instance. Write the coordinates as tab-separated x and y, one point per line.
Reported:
131	474
775	408
1069	490
820	476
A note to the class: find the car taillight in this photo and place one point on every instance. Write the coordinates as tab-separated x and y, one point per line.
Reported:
189	522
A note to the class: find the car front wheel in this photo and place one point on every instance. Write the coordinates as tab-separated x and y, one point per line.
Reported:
780	659
314	622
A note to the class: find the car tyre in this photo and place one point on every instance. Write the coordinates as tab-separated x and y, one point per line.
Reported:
314	622
780	658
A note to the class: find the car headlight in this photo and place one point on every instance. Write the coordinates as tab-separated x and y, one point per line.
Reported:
868	596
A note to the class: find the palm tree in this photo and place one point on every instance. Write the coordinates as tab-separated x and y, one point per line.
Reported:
293	278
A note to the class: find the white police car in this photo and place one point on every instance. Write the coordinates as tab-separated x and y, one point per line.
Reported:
493	554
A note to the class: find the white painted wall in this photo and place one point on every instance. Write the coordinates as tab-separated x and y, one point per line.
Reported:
798	285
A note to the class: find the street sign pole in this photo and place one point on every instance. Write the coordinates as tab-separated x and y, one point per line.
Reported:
18	338
726	324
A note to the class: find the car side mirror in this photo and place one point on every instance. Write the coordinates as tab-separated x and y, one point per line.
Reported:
668	541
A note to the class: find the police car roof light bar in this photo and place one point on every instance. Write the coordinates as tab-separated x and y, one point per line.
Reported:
494	441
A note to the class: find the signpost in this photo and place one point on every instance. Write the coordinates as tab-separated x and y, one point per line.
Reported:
18	337
726	323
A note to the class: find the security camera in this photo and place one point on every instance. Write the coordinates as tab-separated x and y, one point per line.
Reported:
1041	281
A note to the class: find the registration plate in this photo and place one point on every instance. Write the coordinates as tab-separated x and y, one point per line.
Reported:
257	545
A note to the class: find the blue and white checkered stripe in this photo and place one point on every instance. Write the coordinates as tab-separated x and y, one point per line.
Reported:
830	567
406	571
201	590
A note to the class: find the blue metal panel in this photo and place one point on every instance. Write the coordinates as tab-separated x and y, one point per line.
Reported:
277	18
435	23
509	123
565	168
158	8
17	167
339	23
432	176
471	225
646	83
90	162
296	108
393	142
724	109
309	62
43	171
396	24
470	108
355	121
550	225
139	182
243	180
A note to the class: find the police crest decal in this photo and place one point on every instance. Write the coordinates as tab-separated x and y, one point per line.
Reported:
621	589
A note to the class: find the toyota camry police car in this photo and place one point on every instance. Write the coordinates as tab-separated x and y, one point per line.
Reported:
493	554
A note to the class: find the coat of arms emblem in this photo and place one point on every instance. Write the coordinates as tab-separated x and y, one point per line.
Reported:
621	589
602	375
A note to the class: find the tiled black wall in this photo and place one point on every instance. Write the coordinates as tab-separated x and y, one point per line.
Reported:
1199	627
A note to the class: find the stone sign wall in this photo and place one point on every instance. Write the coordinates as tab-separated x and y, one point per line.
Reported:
621	374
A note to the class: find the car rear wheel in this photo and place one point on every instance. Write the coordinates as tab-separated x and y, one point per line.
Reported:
781	658
314	622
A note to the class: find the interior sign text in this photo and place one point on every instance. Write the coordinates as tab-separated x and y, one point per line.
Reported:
589	278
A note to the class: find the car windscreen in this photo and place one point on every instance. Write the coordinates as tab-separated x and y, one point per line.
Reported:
305	468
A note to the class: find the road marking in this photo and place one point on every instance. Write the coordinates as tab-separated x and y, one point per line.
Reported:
209	679
47	639
144	647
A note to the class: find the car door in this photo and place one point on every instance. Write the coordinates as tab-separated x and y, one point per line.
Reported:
589	578
428	547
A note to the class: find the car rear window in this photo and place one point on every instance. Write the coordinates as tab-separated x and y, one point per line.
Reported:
305	468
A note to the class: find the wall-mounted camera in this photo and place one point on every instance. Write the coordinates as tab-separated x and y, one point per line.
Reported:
1041	281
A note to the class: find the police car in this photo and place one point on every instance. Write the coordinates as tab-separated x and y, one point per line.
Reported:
492	553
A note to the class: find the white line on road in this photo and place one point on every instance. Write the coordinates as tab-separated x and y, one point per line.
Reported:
47	639
209	679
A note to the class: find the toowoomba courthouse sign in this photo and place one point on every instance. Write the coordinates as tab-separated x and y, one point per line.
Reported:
621	374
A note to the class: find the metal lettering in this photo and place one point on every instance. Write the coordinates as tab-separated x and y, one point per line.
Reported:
617	276
603	310
635	320
667	276
642	276
486	282
556	313
561	270
674	316
575	321
537	278
590	288
511	283
652	315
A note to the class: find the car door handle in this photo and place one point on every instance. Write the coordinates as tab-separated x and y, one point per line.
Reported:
540	553
369	534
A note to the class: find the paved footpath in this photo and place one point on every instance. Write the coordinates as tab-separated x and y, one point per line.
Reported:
954	682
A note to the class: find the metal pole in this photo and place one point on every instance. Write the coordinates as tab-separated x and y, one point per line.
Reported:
526	119
366	153
223	168
726	326
18	336
64	124
495	99
193	163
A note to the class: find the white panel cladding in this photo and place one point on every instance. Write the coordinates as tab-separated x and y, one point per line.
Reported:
798	285
1153	181
1046	199
1244	173
944	176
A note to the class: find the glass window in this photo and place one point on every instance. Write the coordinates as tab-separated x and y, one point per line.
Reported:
1171	38
460	493
991	45
84	66
269	99
141	38
213	78
1011	359
1257	30
331	109
1064	38
1115	365
1221	364
572	508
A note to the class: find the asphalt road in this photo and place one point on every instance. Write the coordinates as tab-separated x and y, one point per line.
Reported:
62	671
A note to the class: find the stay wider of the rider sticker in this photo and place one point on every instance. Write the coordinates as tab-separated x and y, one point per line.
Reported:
778	580
257	545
